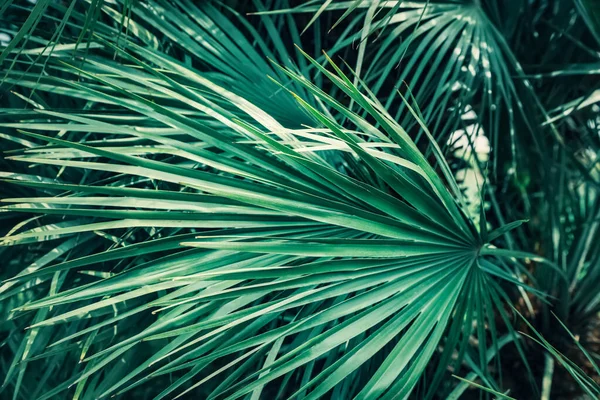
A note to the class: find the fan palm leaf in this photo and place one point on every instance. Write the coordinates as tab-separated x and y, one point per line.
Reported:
237	248
462	61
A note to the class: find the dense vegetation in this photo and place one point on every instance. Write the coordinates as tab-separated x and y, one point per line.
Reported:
326	199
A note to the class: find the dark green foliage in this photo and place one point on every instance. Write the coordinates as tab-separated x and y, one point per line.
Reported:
330	199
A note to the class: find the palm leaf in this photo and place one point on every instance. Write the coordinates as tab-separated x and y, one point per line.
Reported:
269	259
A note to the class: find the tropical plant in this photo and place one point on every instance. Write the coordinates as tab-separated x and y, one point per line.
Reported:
196	205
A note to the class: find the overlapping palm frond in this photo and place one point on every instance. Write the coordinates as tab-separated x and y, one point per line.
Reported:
210	36
468	64
451	55
239	257
571	230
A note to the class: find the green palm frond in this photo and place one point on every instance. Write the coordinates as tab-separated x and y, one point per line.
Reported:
212	37
451	54
572	229
196	201
238	252
463	62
